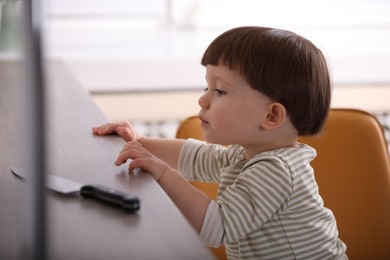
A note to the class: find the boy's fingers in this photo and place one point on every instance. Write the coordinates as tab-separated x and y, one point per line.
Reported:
101	130
124	133
134	166
120	160
127	152
107	129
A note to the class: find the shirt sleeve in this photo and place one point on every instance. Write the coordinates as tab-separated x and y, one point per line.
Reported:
201	161
187	156
212	230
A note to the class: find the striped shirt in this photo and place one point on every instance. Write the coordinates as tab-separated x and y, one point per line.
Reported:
268	207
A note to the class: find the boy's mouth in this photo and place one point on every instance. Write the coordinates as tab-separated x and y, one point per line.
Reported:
203	122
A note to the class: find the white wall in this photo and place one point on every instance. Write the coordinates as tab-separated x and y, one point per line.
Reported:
130	45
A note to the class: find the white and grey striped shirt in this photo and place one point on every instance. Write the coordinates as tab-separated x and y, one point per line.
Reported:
268	207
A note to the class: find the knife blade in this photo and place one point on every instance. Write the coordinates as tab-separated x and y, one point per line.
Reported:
101	193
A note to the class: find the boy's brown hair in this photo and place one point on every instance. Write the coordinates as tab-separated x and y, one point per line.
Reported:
283	66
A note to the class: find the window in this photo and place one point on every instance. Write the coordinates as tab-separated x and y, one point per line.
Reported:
157	44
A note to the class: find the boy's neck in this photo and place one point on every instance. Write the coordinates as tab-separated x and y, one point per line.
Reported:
284	136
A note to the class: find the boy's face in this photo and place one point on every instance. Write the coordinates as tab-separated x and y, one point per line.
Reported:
231	111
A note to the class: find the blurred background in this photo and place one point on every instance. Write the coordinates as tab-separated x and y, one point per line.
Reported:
140	59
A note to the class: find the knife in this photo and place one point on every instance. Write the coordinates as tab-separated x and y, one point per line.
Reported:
104	194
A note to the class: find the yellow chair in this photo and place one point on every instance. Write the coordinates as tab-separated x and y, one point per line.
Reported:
352	170
190	128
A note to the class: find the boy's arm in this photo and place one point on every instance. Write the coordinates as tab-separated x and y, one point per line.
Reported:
192	202
167	150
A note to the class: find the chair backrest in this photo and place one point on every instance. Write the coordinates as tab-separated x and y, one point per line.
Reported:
190	128
352	169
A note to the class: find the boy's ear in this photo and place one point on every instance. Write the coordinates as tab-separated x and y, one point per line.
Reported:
275	116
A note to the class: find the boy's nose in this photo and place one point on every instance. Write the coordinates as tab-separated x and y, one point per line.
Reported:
202	101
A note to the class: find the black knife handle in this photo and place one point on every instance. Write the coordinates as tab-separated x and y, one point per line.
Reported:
111	196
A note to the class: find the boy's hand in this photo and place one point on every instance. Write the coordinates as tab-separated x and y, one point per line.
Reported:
142	158
123	128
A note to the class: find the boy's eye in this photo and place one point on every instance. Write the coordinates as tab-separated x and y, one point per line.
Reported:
219	92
